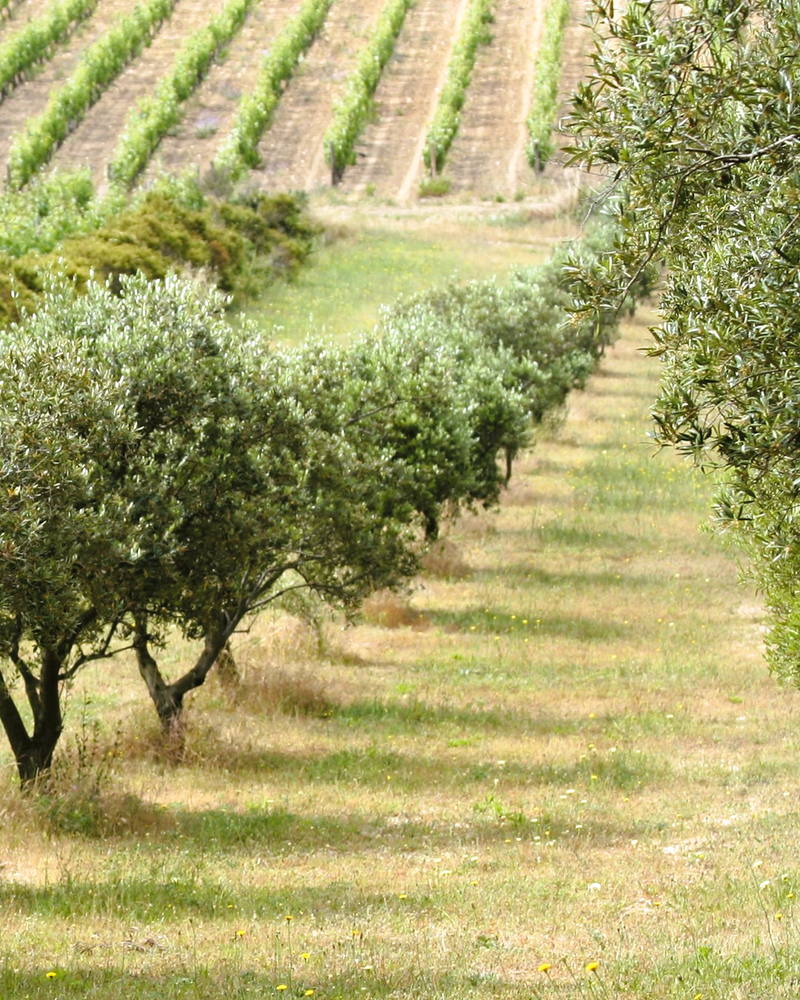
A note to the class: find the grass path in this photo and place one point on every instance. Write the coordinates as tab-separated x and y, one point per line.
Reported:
562	749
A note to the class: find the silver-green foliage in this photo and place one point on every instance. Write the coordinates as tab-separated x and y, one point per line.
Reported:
352	112
99	65
443	128
165	471
239	152
692	115
544	104
151	118
32	44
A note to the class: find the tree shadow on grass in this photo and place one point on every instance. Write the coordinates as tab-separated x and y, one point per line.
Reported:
469	982
152	889
488	621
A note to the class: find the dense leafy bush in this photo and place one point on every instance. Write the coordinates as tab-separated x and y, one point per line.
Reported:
48	209
172	230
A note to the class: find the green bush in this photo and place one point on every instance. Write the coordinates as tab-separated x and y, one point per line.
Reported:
260	237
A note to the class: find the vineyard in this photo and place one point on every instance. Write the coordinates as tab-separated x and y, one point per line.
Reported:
376	97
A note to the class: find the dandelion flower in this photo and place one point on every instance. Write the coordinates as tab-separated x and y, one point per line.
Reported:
592	966
403	895
544	967
779	916
282	987
240	933
305	956
289	917
51	975
309	993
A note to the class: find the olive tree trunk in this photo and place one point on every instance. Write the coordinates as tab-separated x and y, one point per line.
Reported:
33	752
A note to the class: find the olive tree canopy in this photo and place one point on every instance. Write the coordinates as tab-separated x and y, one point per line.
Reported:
692	117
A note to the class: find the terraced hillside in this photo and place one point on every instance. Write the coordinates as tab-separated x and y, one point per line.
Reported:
487	157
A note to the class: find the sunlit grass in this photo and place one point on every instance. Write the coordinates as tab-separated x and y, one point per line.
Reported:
357	269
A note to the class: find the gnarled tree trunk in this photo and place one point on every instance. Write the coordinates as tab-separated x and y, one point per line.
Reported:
33	753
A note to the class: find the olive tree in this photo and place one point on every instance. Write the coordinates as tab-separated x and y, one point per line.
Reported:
523	332
62	531
692	119
181	477
229	491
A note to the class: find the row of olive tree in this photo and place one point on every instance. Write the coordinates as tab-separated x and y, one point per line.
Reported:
165	473
161	470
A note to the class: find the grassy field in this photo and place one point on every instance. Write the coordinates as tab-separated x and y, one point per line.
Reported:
378	254
557	768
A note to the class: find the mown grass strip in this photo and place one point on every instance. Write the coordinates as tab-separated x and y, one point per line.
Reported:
34	43
541	117
101	63
151	118
352	112
446	119
240	150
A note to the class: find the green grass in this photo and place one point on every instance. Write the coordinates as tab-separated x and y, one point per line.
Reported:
568	752
341	291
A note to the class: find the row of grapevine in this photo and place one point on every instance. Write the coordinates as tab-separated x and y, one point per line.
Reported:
352	112
443	128
240	149
545	93
52	206
100	64
151	118
34	43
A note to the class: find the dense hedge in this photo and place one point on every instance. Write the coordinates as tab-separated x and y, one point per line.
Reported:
162	235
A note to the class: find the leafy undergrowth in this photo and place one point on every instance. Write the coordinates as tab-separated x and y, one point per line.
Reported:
557	768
